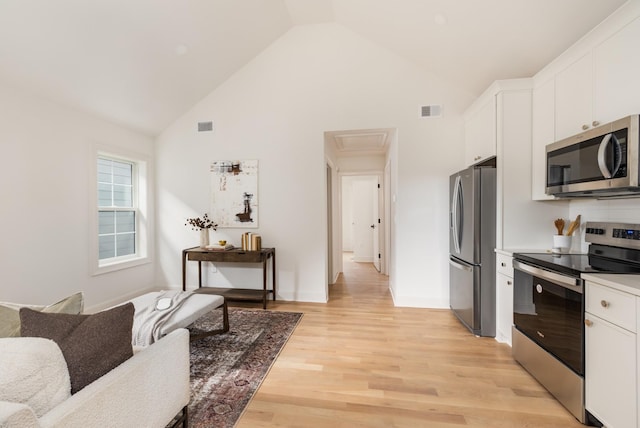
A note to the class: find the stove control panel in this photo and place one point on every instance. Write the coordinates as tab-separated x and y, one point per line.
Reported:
615	234
595	231
627	234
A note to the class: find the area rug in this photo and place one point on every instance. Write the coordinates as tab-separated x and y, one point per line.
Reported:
227	369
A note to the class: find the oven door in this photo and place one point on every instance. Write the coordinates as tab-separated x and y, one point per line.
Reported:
548	308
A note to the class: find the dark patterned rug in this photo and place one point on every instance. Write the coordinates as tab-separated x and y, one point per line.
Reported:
227	369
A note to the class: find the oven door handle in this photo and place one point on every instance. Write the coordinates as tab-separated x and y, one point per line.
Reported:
563	280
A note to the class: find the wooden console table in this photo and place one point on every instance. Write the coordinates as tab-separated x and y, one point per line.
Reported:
234	255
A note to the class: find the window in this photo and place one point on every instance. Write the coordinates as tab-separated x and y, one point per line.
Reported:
120	217
116	209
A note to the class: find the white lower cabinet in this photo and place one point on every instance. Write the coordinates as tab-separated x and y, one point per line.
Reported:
504	298
611	382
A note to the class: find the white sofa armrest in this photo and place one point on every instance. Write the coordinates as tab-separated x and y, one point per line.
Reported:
147	390
17	415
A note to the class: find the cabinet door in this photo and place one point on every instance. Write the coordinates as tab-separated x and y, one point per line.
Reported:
610	367
504	308
480	134
543	133
574	97
616	75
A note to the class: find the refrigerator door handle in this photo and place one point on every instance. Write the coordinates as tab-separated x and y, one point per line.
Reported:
455	223
460	266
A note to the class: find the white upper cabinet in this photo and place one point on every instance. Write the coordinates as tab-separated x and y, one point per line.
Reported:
574	98
600	87
501	122
617	75
480	133
543	134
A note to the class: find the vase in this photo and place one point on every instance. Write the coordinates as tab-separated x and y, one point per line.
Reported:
204	238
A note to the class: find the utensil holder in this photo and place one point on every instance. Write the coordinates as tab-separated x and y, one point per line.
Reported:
561	243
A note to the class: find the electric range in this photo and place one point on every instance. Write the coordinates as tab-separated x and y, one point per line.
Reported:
548	311
614	248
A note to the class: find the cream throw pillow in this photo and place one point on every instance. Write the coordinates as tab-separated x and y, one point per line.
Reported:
10	312
33	371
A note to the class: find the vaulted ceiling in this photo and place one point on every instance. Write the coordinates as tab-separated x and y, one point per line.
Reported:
142	63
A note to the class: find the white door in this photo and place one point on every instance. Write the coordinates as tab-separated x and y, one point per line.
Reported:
362	195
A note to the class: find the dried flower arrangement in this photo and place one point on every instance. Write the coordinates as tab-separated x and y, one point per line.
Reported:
201	223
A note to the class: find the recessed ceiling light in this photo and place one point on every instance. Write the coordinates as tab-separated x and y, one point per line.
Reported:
181	50
440	19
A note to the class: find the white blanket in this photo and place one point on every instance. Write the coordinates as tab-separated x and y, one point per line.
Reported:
148	322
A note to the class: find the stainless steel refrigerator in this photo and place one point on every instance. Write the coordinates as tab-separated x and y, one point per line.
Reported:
472	241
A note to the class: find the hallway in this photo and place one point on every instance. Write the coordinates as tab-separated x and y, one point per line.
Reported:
358	361
359	284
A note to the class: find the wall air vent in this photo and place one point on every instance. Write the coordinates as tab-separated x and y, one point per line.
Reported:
434	110
205	126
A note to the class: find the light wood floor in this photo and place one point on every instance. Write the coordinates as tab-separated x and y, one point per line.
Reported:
360	362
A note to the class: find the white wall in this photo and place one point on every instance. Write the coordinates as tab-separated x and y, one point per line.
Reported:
421	213
276	109
614	210
47	153
361	164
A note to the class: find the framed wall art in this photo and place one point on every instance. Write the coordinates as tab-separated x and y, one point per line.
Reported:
234	193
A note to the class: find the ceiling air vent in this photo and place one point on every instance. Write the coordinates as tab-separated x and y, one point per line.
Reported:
205	126
431	111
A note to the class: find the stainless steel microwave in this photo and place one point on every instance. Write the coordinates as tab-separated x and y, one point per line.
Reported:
601	162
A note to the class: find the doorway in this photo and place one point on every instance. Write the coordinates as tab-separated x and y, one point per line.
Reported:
360	155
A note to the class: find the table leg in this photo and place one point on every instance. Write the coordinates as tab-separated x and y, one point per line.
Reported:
184	270
273	273
264	283
199	274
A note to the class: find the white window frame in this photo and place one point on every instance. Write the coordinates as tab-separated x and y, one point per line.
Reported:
141	201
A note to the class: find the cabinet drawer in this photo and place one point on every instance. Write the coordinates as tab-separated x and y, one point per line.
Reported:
504	264
615	306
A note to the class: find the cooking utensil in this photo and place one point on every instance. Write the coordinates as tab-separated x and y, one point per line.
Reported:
573	226
559	223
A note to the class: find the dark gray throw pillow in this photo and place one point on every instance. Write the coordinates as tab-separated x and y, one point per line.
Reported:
92	345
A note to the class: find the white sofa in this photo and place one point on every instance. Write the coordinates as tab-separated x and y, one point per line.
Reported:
147	390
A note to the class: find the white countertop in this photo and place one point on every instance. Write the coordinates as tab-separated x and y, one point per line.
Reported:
627	283
511	251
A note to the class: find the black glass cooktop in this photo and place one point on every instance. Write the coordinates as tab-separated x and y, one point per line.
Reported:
570	264
600	259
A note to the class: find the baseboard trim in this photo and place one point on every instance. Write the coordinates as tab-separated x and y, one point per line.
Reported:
289	296
419	302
